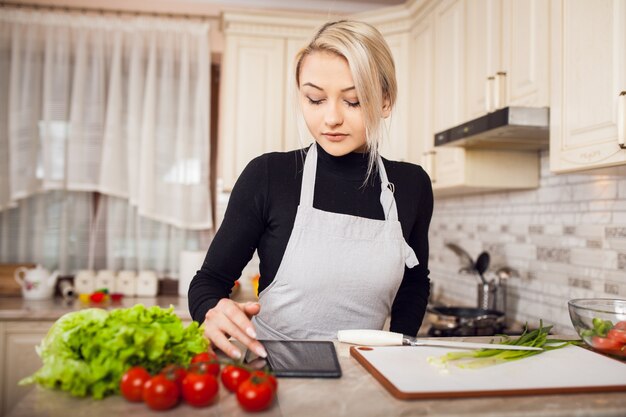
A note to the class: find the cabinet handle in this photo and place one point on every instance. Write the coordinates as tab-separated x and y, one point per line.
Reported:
500	90
429	165
489	87
621	120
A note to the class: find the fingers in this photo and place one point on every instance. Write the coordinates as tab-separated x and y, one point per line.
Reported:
231	318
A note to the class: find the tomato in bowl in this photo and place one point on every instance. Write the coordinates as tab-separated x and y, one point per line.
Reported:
601	324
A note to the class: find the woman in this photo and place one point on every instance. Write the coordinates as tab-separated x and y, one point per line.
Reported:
331	227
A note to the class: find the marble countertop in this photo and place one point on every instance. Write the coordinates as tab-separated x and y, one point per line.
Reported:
16	308
356	393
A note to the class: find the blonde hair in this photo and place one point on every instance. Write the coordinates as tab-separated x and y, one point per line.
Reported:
372	68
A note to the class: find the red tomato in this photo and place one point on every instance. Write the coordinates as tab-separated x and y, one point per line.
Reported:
620	325
271	378
205	362
232	376
617	334
199	390
255	394
97	297
161	393
605	344
175	373
132	383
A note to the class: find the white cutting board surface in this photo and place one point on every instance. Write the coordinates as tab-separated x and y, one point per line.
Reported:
406	372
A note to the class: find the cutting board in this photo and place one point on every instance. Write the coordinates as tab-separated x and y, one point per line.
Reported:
406	373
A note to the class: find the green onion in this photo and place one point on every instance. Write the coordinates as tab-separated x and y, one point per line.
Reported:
487	357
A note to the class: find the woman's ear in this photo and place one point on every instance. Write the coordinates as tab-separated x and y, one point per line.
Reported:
386	108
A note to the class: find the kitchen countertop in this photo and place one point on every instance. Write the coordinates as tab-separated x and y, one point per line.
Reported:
356	393
16	308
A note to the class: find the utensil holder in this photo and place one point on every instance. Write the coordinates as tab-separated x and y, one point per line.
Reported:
492	296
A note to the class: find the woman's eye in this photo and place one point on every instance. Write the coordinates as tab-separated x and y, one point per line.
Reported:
315	102
353	103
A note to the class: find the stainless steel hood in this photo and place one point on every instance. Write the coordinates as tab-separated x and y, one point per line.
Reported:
510	128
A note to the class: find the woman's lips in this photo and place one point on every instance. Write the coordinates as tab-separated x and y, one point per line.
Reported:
334	137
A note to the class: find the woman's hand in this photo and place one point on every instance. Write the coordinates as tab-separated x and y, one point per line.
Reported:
231	318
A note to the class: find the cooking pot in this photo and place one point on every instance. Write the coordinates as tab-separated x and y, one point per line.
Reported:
465	321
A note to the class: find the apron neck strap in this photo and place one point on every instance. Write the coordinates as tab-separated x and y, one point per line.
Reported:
308	184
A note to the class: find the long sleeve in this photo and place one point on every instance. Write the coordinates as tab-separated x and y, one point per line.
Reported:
234	243
411	300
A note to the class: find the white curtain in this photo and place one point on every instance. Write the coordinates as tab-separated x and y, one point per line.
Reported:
114	105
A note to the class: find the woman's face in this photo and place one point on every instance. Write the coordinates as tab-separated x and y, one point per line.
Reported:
330	105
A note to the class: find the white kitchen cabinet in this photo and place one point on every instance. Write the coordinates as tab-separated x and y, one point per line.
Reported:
589	72
18	358
512	37
397	134
256	106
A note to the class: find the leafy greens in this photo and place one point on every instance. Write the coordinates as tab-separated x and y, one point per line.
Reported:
86	352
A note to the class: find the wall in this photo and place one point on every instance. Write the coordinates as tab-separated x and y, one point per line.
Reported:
567	239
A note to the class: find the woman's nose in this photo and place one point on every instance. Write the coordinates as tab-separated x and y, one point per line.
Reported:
333	116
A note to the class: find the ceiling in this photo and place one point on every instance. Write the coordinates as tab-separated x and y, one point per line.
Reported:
319	6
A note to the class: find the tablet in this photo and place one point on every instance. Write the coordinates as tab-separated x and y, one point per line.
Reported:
301	358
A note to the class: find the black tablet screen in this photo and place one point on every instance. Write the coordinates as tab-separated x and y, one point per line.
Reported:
302	358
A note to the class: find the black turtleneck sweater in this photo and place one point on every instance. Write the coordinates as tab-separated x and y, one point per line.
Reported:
262	209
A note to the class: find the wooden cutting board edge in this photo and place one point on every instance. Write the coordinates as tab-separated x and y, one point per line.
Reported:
402	395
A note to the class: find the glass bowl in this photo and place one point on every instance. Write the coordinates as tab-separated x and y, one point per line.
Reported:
601	324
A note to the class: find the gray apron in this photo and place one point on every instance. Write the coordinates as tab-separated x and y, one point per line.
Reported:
338	271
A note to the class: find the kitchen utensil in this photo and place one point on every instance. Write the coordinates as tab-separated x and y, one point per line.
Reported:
601	323
407	374
382	338
492	296
482	263
465	321
467	263
37	283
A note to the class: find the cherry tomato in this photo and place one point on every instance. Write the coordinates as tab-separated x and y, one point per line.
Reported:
205	362
617	334
271	378
605	344
255	394
161	393
232	376
132	383
97	297
620	325
200	389
175	373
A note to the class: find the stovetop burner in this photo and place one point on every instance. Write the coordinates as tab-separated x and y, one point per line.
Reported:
467	331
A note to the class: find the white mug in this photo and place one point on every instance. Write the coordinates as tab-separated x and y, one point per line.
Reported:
105	279
126	283
85	281
147	284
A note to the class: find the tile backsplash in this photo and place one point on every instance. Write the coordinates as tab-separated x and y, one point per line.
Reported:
566	239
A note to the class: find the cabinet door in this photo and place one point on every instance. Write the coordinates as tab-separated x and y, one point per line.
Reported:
252	102
292	139
526	46
588	73
396	127
421	143
449	87
19	359
483	45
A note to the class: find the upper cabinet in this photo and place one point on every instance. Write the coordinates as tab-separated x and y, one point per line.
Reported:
257	94
507	61
589	73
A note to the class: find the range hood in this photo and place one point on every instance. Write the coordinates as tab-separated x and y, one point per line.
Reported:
509	128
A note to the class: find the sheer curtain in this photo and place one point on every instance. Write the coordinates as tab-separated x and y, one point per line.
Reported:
110	105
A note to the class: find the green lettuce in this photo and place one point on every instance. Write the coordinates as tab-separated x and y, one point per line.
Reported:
86	352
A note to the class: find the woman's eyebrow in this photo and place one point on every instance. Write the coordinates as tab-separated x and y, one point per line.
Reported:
321	89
